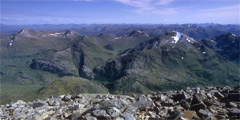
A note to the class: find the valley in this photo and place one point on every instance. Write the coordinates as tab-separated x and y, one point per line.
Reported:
127	60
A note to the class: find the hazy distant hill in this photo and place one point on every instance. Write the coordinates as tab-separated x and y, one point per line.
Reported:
196	31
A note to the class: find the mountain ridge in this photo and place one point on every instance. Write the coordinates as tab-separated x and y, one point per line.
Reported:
136	62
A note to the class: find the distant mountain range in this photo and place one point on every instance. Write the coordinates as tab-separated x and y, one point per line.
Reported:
128	61
196	31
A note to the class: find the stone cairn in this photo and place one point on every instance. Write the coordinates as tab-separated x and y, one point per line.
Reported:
210	103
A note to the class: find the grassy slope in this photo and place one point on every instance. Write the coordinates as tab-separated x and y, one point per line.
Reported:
18	77
71	85
12	92
160	69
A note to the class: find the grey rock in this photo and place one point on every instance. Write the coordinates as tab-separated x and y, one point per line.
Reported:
39	103
163	97
113	103
198	98
67	98
198	106
185	104
128	116
143	105
232	104
131	109
219	95
180	96
204	113
91	118
234	113
100	113
118	118
113	112
45	66
142	98
18	103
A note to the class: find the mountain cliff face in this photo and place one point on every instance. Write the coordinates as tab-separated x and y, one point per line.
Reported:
171	61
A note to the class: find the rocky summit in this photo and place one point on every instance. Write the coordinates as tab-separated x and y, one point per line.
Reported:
210	103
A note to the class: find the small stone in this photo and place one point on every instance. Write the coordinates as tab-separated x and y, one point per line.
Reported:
143	105
113	112
209	95
185	104
219	95
180	96
187	115
168	102
18	103
152	114
67	98
100	113
232	104
91	118
197	98
234	113
66	114
118	118
204	113
44	116
163	112
128	116
163	97
142	98
113	103
39	103
131	109
198	106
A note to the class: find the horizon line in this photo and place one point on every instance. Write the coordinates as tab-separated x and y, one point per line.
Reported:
122	24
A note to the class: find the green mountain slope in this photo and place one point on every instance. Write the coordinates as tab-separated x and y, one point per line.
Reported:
172	61
226	45
71	85
37	58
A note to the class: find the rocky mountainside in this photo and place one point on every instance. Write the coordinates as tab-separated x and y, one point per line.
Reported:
39	63
211	103
37	58
226	45
171	61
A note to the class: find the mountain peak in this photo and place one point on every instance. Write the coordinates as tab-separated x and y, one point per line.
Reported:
70	32
137	33
25	31
176	37
29	33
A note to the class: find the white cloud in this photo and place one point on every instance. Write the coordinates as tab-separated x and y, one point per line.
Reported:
149	6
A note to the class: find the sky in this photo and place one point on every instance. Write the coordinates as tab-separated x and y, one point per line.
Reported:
23	12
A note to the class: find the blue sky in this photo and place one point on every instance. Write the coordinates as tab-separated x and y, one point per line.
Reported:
119	11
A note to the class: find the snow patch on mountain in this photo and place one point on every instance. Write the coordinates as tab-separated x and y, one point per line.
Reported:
233	35
117	37
22	31
177	37
55	34
139	31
